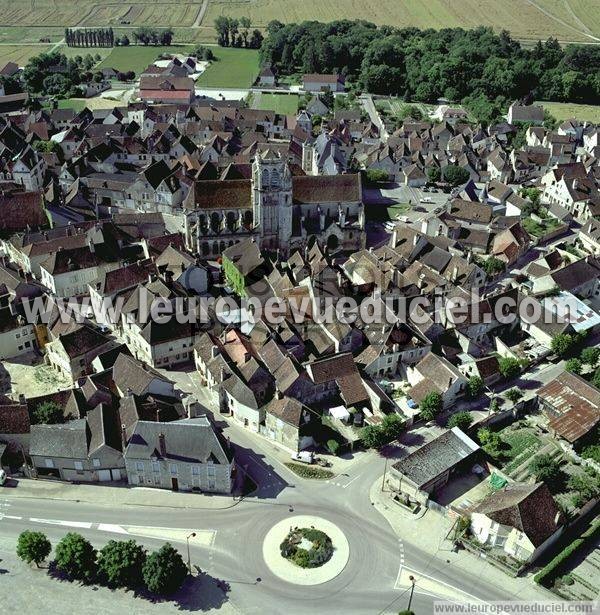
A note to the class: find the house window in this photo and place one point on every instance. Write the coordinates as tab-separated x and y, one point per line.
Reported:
173	468
49	463
155	467
96	463
195	471
78	465
211	471
211	484
139	466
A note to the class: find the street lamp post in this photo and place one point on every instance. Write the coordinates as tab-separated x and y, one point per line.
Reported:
412	589
187	540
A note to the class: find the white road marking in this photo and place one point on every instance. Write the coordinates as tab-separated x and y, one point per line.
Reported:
81	524
350	482
109	527
10	517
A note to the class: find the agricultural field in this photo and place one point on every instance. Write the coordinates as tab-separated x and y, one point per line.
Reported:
566	111
135	57
286	104
578	20
234	68
20	54
146	13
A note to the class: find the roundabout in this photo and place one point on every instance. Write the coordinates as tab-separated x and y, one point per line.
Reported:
319	544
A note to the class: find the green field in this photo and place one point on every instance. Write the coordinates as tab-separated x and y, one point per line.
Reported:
137	57
234	68
286	104
566	111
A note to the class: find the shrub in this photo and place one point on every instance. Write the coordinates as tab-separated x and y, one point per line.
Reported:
509	367
164	571
514	395
545	469
462	420
333	446
574	366
33	547
76	557
590	356
550	572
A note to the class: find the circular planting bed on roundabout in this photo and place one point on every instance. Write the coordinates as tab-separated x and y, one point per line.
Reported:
307	547
306	550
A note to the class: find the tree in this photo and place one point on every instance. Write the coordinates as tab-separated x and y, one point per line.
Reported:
392	426
455	175
434	174
475	386
164	571
431	406
492	266
509	367
563	344
333	446
574	366
596	378
121	562
545	469
371	436
76	557
590	356
462	420
49	412
514	395
33	547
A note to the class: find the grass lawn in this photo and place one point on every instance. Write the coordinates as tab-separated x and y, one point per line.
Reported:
539	229
566	111
71	52
306	471
234	68
381	213
286	104
137	57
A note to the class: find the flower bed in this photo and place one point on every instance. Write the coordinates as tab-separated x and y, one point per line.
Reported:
307	547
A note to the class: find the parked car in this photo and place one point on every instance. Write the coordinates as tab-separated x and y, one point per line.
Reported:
2	477
304	457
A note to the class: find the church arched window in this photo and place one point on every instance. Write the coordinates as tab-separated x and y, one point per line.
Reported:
265	179
275	179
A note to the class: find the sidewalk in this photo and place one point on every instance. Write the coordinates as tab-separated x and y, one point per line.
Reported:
427	531
114	496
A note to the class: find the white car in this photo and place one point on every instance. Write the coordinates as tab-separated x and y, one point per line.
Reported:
426	199
2	477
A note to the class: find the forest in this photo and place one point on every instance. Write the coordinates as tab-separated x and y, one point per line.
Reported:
478	67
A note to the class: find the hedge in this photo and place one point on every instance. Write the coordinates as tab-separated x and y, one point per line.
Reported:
549	573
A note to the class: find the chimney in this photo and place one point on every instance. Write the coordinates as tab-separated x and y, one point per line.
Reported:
455	273
415	240
214	352
123	437
162	444
129	392
278	394
22	399
421	281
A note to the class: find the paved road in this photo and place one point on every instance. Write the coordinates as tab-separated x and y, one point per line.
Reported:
367	584
369	106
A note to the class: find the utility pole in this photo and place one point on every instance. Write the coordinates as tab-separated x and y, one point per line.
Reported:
412	589
187	540
384	473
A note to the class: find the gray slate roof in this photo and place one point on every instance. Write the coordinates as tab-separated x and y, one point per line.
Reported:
189	440
68	440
